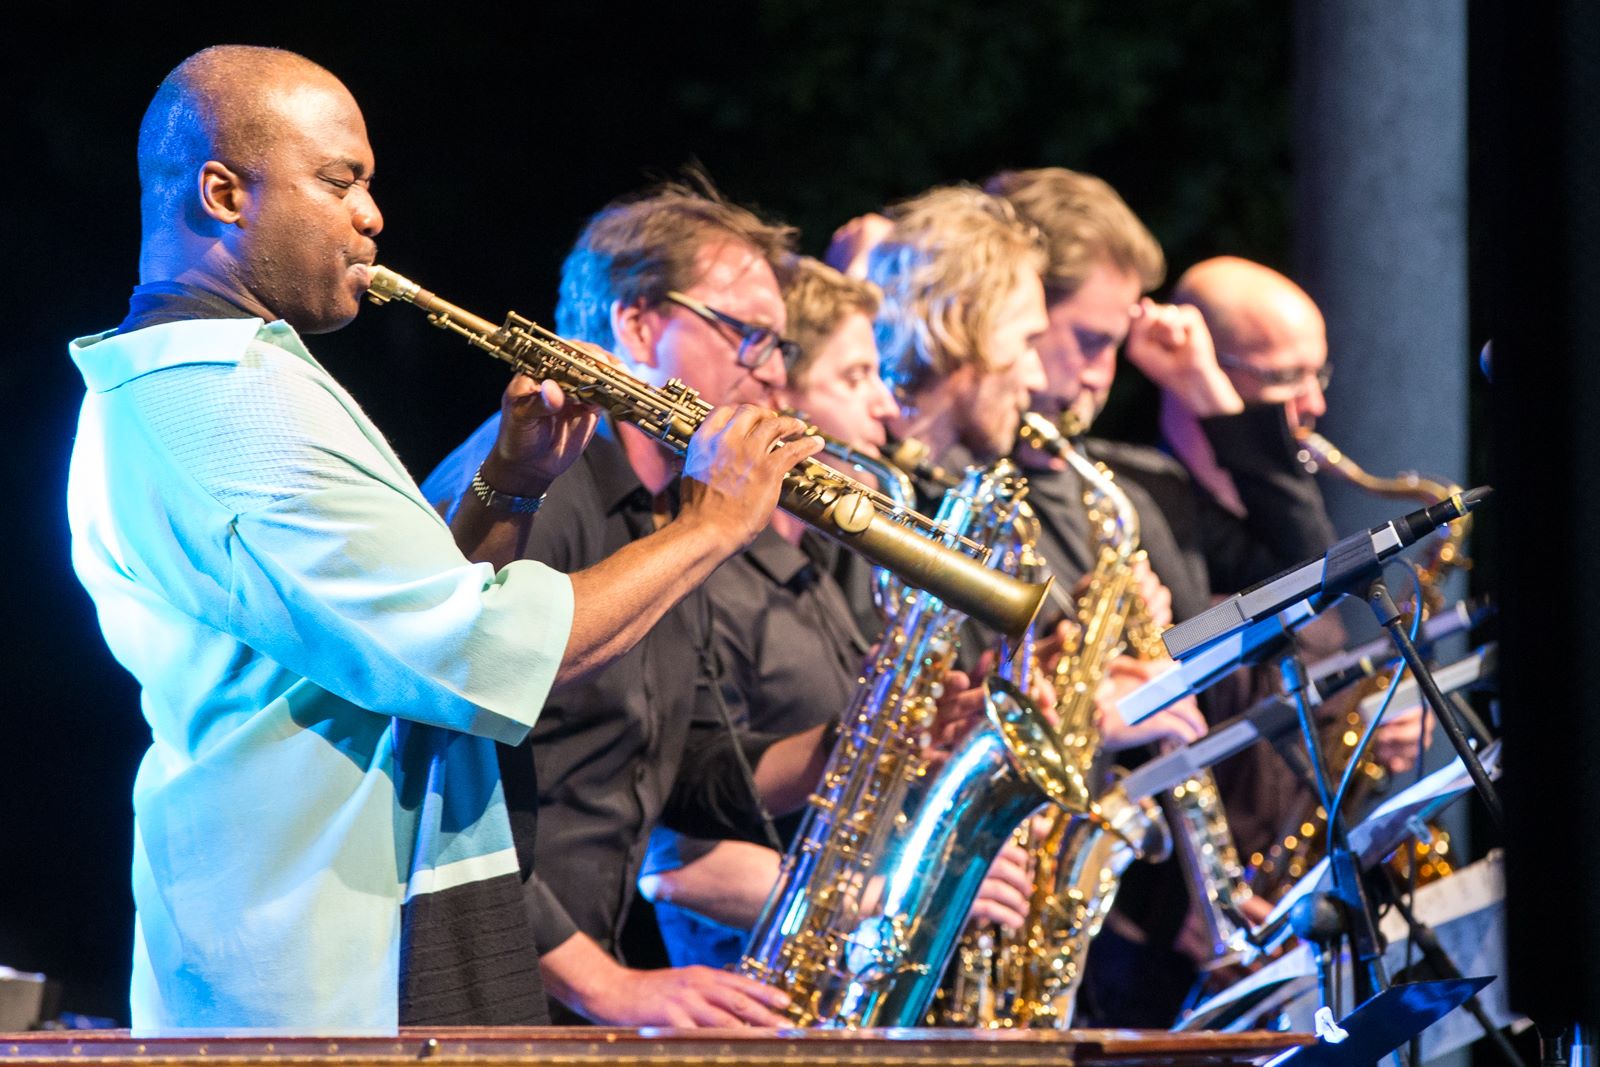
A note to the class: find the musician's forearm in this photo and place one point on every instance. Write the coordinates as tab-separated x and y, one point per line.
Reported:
788	770
618	600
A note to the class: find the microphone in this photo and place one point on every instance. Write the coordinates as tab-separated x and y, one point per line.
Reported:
1424	521
1321	580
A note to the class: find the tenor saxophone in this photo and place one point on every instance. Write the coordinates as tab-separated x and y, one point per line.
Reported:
1030	977
861	519
874	890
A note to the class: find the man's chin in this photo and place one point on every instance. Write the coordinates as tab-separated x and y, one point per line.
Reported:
326	320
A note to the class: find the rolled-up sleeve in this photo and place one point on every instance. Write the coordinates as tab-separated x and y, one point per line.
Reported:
336	567
377	605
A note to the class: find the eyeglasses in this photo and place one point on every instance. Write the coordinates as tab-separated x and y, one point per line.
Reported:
1297	378
756	343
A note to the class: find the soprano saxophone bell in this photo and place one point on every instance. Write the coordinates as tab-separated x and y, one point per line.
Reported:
919	552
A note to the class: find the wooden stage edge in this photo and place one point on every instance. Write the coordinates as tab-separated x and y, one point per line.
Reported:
578	1046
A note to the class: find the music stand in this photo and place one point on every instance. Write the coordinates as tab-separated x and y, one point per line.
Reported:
1385	1022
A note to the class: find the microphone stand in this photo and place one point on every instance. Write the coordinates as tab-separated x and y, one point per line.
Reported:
1352	564
1342	912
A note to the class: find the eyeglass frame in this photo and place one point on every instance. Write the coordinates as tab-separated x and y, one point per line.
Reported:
1323	375
764	339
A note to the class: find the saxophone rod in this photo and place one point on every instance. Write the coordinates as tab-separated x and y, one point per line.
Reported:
911	545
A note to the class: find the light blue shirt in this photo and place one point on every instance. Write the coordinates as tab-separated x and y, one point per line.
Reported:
323	673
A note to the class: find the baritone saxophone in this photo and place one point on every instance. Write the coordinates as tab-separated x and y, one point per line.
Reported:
875	889
859	518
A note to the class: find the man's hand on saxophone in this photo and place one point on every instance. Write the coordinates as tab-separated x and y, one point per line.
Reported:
1395	744
542	432
734	468
1003	898
1156	596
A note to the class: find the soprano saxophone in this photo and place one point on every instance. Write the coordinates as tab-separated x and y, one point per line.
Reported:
874	890
888	592
861	519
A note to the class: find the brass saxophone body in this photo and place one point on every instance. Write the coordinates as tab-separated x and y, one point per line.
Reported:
874	890
1030	978
1195	818
1301	841
861	519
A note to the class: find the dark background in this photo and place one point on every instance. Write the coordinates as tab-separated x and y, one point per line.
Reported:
495	137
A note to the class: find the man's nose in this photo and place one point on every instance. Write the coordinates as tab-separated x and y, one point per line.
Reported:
882	405
772	373
368	220
1306	409
1099	371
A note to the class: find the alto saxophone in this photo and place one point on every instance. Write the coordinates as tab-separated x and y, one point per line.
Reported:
874	890
1301	841
1196	819
859	518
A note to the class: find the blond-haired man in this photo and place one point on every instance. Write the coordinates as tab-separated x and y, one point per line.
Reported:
962	315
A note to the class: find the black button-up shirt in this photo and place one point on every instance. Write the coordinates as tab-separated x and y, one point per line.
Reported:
790	657
607	751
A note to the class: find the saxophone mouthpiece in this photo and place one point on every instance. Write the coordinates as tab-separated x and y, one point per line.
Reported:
914	456
384	285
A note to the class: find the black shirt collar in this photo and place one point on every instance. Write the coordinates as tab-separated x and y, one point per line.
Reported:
616	483
780	561
154	303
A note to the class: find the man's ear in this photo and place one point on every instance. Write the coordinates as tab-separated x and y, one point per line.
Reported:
635	332
223	196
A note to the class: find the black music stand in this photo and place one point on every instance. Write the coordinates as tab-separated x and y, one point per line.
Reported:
1385	1022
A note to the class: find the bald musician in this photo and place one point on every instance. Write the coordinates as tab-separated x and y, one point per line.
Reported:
1271	345
321	841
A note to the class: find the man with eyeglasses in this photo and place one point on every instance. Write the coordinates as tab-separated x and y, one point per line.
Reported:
1272	348
679	284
